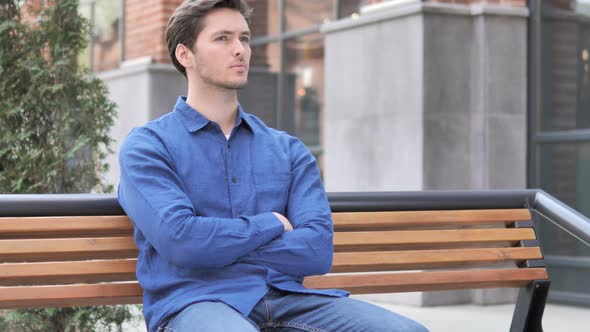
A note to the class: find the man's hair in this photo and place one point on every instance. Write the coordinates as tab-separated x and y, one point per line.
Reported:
187	22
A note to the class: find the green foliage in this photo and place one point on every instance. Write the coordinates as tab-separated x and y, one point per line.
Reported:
55	120
85	319
54	134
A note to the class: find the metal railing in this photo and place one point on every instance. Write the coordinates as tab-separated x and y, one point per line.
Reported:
536	200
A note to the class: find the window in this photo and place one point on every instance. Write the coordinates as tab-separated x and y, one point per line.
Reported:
288	51
559	127
104	51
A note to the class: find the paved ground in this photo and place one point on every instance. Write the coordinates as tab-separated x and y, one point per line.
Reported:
496	318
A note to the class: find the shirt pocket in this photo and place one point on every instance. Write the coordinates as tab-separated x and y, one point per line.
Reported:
272	191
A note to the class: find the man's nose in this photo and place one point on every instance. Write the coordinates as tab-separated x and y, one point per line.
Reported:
238	47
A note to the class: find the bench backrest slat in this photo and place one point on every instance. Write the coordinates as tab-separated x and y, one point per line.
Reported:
385	239
120	225
47	273
349	221
67	249
52	227
70	295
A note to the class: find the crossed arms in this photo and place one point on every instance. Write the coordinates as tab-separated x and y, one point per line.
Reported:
152	194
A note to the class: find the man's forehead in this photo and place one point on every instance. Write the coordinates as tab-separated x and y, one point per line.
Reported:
225	20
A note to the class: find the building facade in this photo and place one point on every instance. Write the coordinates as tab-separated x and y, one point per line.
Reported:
397	95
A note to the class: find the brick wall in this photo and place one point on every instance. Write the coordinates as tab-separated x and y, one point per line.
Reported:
31	9
145	28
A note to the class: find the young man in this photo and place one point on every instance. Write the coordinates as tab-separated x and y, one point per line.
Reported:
230	215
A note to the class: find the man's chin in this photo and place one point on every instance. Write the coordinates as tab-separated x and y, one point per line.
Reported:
235	85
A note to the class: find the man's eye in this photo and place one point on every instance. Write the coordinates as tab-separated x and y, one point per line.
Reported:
245	39
222	38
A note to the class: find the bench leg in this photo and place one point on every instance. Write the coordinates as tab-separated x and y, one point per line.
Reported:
528	313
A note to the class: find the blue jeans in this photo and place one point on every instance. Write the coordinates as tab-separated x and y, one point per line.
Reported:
290	312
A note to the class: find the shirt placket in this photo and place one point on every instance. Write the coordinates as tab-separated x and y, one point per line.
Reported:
234	178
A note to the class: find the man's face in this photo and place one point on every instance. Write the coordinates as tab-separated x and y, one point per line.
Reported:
221	54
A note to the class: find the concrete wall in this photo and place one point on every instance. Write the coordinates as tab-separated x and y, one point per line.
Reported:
373	106
475	101
426	96
142	91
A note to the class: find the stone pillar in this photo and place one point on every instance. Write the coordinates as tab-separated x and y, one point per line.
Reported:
428	96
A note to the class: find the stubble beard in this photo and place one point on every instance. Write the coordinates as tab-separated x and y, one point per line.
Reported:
232	86
223	85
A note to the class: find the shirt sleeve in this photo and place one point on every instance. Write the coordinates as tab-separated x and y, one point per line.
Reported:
308	249
152	195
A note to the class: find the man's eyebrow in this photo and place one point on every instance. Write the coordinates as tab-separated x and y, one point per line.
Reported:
229	32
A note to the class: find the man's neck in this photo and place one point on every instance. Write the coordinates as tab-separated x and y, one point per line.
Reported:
216	104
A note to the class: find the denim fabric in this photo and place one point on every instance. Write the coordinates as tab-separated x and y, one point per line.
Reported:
211	317
291	312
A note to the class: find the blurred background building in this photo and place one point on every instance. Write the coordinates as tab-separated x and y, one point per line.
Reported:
397	95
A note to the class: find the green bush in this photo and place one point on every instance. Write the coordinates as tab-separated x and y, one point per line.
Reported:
55	120
54	136
81	319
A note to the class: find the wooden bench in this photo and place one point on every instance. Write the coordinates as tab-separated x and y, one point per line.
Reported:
51	259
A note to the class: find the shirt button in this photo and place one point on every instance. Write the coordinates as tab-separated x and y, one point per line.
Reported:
234	179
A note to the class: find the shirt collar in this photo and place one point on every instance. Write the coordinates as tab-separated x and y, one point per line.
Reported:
243	117
193	120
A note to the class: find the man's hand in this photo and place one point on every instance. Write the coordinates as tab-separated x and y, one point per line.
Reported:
285	221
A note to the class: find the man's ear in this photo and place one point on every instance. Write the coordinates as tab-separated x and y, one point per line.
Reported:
184	55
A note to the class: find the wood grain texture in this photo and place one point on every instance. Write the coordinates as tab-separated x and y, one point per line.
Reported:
69	295
67	249
84	226
48	273
429	259
363	283
350	221
395	239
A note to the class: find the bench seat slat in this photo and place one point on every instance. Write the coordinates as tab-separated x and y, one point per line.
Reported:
428	259
369	240
45	273
67	249
69	295
427	281
126	293
83	226
347	221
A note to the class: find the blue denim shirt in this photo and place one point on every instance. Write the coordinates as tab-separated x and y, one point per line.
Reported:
202	209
